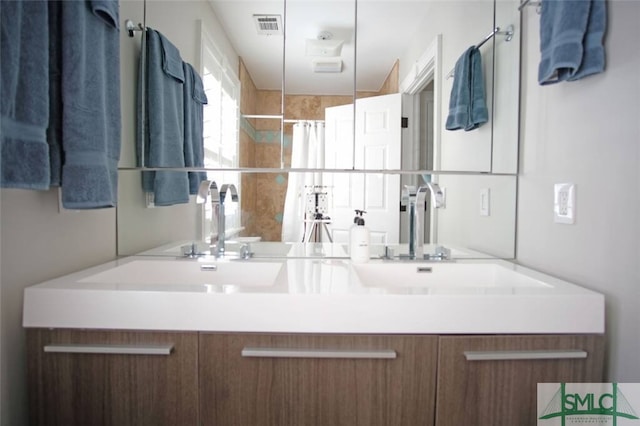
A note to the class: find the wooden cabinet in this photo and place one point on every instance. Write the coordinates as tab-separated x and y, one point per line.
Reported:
245	379
492	380
327	380
110	378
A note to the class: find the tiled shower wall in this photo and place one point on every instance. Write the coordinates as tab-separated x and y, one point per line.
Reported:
263	194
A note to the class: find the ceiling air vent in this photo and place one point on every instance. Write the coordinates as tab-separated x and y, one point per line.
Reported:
268	24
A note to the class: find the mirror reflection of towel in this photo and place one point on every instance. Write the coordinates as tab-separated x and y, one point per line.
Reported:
467	105
194	100
164	122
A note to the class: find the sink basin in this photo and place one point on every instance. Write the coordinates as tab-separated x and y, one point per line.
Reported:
442	275
189	272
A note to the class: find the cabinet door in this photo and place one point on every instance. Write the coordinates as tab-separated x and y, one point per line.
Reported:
481	382
112	378
322	380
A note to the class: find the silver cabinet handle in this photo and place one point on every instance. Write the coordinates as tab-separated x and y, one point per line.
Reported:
71	348
318	353
524	355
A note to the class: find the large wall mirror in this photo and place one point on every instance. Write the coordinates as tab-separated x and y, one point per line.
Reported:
321	88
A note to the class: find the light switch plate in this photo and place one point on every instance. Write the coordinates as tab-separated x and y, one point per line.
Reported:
564	203
485	201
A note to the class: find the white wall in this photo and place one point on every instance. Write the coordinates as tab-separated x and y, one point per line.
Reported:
39	243
588	132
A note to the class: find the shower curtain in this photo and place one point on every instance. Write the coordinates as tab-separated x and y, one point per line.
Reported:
307	151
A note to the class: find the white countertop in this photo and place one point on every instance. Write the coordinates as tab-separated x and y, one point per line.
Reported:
315	296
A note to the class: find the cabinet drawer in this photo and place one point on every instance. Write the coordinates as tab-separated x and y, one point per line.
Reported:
112	378
495	377
258	379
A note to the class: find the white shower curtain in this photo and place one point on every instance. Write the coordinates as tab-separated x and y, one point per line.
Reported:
307	151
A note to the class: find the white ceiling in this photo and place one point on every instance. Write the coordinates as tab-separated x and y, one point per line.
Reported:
385	28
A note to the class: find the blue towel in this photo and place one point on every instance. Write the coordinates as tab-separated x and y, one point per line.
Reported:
107	10
24	86
467	105
90	104
164	122
593	58
571	36
194	99
54	131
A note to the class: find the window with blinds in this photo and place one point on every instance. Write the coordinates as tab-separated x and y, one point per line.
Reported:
221	127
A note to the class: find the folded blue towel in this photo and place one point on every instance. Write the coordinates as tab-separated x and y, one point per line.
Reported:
163	140
593	58
194	99
24	86
90	103
467	104
571	37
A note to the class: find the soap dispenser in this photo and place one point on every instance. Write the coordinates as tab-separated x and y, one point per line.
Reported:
359	239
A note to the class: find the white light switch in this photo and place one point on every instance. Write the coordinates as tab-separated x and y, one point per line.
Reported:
485	201
564	203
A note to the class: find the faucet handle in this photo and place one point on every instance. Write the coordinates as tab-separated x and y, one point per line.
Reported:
388	253
245	251
408	193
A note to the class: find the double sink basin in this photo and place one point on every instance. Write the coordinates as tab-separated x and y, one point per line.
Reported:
268	273
314	295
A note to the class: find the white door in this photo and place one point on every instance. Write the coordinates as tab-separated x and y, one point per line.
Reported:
342	188
377	147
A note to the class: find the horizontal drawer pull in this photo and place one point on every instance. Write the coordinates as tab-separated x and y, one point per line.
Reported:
318	353
523	355
70	348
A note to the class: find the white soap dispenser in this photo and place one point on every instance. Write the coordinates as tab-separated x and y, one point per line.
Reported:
359	239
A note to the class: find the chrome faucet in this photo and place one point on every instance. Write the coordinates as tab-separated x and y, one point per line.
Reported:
416	199
231	188
209	189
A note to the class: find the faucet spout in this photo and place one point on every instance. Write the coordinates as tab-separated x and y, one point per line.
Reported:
416	198
437	196
231	188
416	203
209	189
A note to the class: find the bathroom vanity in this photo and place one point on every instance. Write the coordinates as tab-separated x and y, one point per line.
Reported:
305	342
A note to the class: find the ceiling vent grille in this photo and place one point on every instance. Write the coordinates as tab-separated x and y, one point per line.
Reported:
268	24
